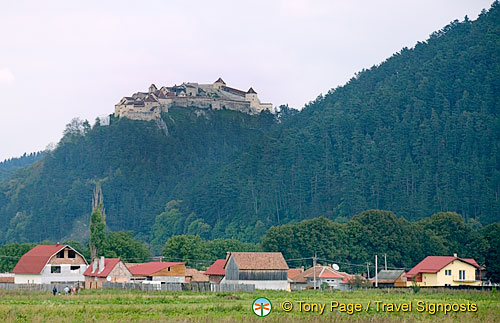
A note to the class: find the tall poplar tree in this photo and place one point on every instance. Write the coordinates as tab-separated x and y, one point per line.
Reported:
97	224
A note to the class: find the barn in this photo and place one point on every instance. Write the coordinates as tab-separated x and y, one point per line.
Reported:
265	270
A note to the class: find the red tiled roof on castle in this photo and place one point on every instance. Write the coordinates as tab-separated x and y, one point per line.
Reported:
233	91
150	98
109	264
149	268
217	268
34	260
433	264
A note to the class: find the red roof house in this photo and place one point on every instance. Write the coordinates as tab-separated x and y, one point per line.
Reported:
45	264
174	272
444	271
106	269
324	274
216	271
195	276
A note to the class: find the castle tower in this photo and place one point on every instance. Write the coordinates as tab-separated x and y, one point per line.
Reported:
152	88
251	96
219	83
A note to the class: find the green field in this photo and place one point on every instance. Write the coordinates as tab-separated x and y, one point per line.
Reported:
113	305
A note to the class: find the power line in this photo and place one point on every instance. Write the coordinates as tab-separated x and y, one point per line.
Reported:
357	265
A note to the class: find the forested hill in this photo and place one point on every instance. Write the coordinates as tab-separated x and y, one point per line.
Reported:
418	134
9	166
137	165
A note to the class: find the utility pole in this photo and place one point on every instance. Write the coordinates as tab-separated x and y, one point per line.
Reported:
368	270
385	261
376	271
314	270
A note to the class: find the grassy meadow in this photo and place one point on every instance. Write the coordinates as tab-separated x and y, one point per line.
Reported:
115	305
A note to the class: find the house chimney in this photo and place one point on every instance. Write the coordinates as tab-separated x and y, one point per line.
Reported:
101	264
455	255
302	268
94	265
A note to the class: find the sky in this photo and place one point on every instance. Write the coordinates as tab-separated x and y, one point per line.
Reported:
65	59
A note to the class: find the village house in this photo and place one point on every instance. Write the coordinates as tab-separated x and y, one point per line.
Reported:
391	278
7	278
216	96
444	271
265	270
106	269
216	271
195	276
45	264
164	272
324	275
292	272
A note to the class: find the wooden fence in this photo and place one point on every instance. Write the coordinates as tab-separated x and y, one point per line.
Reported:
197	287
39	287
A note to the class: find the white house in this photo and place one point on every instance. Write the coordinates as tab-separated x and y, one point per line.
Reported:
324	275
45	264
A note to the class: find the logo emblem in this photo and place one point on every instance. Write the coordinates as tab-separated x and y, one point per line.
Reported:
262	307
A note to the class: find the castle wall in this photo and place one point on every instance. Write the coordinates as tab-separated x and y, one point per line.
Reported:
249	104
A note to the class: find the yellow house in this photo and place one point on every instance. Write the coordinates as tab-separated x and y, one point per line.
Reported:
444	271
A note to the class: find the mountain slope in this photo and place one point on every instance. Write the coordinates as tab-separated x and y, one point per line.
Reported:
9	166
418	134
136	163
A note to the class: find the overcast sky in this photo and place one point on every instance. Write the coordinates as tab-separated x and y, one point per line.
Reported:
66	59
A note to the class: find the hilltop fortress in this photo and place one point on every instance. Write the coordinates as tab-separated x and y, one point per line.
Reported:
216	96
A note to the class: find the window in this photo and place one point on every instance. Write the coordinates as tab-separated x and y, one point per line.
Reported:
55	269
71	254
461	275
74	268
60	254
168	268
447	272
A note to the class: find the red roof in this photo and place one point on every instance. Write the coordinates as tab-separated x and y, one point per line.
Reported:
330	274
320	272
433	264
34	260
109	264
217	268
149	268
292	272
259	260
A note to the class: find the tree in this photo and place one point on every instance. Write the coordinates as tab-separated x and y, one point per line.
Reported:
97	224
190	249
491	234
167	224
10	254
75	128
122	245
